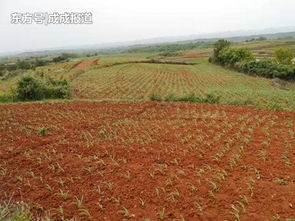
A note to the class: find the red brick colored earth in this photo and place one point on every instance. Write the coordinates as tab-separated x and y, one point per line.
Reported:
148	160
85	63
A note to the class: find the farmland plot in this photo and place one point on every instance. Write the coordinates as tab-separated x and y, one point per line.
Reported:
139	81
148	161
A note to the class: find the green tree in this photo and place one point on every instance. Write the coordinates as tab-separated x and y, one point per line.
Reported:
22	64
218	47
284	55
2	69
64	57
261	39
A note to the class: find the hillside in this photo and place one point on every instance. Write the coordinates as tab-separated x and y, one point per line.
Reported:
112	77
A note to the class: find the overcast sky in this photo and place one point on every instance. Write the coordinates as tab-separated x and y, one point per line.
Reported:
124	20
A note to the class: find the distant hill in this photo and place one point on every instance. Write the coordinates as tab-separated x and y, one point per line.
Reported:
234	36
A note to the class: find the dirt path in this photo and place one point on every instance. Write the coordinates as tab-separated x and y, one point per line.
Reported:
84	64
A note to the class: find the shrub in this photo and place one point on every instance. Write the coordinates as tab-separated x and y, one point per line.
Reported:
2	69
25	65
38	62
284	55
225	55
29	88
57	89
230	56
64	57
211	99
261	39
243	60
267	68
155	97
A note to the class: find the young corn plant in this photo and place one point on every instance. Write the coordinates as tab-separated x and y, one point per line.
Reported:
244	199
42	131
199	207
125	212
221	175
60	181
50	189
79	202
275	217
262	154
281	181
142	202
162	215
60	210
3	171
127	175
63	195
251	189
211	194
173	196
86	213
257	173
213	186
20	179
241	204
235	212
100	206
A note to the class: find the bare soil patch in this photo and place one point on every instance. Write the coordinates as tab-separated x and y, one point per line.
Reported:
85	64
162	161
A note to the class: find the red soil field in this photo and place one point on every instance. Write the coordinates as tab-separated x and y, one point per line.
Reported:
148	161
84	64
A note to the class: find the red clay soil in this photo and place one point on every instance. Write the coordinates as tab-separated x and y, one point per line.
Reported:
85	64
162	161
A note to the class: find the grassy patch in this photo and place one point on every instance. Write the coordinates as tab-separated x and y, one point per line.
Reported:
17	212
155	97
5	98
246	102
209	98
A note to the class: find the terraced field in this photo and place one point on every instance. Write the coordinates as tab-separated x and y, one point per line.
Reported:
104	78
139	81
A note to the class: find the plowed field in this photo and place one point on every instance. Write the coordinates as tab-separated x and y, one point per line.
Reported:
148	161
